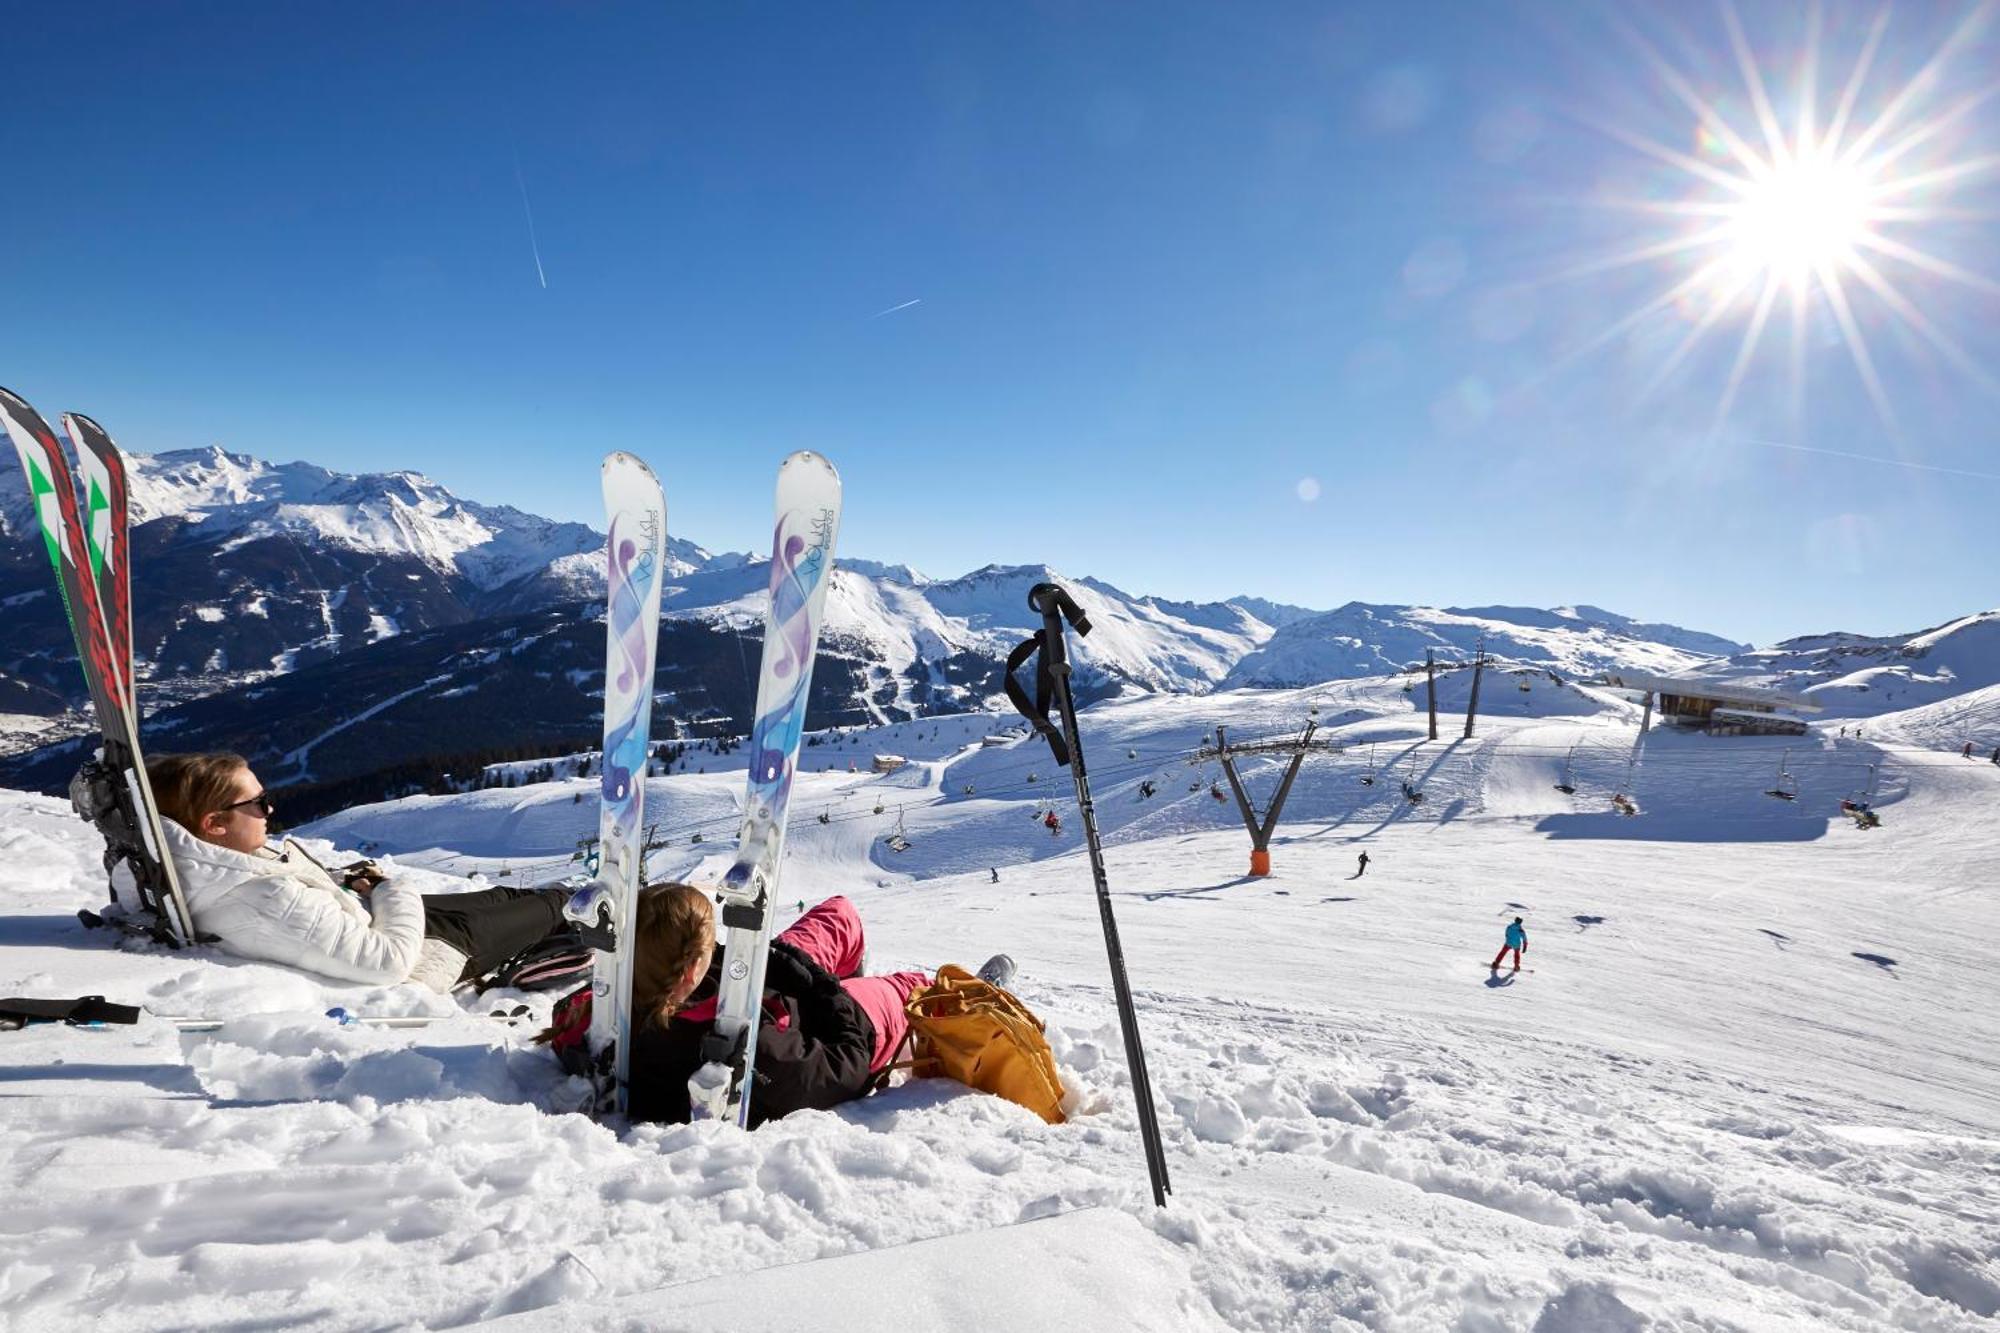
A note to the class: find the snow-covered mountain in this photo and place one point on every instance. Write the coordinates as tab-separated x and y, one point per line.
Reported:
1360	639
245	568
937	636
1856	675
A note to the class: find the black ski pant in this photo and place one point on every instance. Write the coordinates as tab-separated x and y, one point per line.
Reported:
493	925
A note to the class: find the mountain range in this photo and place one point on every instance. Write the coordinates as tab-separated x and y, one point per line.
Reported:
340	628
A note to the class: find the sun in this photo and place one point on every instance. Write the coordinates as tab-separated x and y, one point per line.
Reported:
1828	204
1802	216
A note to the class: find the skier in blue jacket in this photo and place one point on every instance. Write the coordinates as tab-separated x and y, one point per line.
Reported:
1517	940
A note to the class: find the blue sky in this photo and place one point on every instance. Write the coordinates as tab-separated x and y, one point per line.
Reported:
1176	269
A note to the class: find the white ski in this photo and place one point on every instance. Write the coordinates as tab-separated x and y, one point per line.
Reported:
808	521
636	513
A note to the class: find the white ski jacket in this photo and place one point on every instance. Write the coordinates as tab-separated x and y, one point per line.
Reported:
282	907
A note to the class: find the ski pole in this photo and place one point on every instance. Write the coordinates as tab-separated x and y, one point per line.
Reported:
1053	671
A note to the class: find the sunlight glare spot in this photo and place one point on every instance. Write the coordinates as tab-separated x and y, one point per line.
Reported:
1802	216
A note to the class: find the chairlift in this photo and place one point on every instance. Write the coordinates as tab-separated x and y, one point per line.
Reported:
697	837
1568	785
1787	788
1146	789
1623	804
1215	790
1033	778
878	807
1368	778
1131	754
1525	687
968	789
825	818
1412	793
1860	805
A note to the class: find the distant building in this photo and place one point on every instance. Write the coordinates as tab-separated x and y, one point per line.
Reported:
1717	707
889	763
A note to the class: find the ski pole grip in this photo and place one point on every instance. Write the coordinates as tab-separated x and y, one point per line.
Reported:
1047	598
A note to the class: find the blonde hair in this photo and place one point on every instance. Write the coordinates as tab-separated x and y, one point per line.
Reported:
189	786
673	928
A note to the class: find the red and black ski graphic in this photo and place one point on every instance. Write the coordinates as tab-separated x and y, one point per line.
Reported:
107	522
91	569
54	491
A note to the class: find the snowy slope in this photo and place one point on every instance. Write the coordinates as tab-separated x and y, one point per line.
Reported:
1853	675
1749	1083
1366	640
1948	724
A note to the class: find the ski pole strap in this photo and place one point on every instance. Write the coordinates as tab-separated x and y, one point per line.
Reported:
18	1013
1037	711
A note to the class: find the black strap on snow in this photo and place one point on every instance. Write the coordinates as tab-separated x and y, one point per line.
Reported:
1052	602
18	1013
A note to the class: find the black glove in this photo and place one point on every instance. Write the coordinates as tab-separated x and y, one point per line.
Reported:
791	972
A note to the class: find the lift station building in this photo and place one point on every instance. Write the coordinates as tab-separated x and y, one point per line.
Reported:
1717	707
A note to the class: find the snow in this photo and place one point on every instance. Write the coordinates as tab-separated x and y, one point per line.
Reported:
1855	676
1359	640
1749	1083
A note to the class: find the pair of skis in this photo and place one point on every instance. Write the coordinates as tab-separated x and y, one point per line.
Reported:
807	524
87	532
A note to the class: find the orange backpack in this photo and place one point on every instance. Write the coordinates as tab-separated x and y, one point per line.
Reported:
970	1030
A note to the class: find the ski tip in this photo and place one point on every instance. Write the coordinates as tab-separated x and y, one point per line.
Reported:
805	458
73	420
618	458
17	406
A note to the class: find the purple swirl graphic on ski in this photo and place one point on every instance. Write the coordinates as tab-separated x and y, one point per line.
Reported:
797	566
628	678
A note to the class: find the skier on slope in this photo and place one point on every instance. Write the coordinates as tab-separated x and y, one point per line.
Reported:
1966	752
1361	867
1517	940
356	924
826	1034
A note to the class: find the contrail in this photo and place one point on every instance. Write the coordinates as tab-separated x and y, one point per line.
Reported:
894	308
533	245
1867	458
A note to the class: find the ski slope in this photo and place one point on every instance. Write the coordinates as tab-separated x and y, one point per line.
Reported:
1749	1083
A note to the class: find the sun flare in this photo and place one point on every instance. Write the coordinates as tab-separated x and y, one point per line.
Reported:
1832	204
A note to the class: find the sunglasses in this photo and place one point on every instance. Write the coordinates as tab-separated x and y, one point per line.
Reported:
262	800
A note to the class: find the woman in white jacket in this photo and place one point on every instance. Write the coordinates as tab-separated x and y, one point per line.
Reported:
354	925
